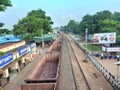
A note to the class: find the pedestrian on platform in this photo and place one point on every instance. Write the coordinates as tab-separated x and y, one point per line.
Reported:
102	56
105	56
96	54
117	57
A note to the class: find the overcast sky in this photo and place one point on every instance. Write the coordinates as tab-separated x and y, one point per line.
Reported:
61	11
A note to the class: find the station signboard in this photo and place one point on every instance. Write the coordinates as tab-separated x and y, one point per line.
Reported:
104	48
102	38
32	45
113	49
6	59
23	50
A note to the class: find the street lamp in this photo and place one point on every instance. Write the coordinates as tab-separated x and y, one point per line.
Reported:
69	30
86	36
42	38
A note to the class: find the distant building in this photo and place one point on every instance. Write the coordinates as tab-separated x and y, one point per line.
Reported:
56	29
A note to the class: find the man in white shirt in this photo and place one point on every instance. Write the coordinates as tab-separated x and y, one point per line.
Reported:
117	57
102	56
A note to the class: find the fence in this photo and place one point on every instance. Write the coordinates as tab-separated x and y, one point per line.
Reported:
111	78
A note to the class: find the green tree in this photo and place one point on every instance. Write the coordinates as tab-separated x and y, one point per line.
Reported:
100	22
87	22
93	22
33	23
2	53
118	41
109	25
103	15
73	26
65	28
4	31
116	16
3	6
1	24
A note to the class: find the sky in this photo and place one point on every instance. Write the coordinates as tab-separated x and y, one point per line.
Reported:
60	11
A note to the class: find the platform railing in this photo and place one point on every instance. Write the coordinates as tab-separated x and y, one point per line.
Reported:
110	77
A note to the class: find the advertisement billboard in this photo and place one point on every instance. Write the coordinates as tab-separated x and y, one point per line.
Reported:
113	49
6	59
102	38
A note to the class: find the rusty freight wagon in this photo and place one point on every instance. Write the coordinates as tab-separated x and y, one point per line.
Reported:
44	76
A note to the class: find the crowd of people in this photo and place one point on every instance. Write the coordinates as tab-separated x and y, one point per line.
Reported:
107	56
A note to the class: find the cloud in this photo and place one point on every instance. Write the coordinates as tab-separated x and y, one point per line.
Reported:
68	17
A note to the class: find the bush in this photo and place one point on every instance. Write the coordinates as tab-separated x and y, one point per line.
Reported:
2	53
93	47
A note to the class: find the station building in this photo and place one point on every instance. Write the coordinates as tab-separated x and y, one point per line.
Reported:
16	57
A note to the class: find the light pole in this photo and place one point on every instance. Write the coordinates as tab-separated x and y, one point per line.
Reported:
86	37
68	30
117	72
42	38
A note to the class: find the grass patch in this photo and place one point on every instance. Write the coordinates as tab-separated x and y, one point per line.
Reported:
2	53
93	47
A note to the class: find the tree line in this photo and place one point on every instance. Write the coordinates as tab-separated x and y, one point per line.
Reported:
100	22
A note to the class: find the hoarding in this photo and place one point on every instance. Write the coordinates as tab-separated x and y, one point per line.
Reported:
102	38
113	49
23	50
6	59
104	48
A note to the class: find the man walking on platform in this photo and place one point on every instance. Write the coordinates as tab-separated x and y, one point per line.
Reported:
102	56
117	57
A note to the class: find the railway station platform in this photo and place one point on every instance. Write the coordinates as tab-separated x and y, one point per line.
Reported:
106	67
110	65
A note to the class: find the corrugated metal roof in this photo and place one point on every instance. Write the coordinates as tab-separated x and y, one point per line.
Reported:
46	37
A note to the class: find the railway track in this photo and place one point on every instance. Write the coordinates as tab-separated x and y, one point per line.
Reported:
79	79
75	73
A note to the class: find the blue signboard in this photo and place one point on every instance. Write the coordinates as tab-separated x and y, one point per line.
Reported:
32	45
6	59
23	50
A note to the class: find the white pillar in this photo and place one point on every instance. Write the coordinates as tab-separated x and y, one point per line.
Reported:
86	36
42	38
6	73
